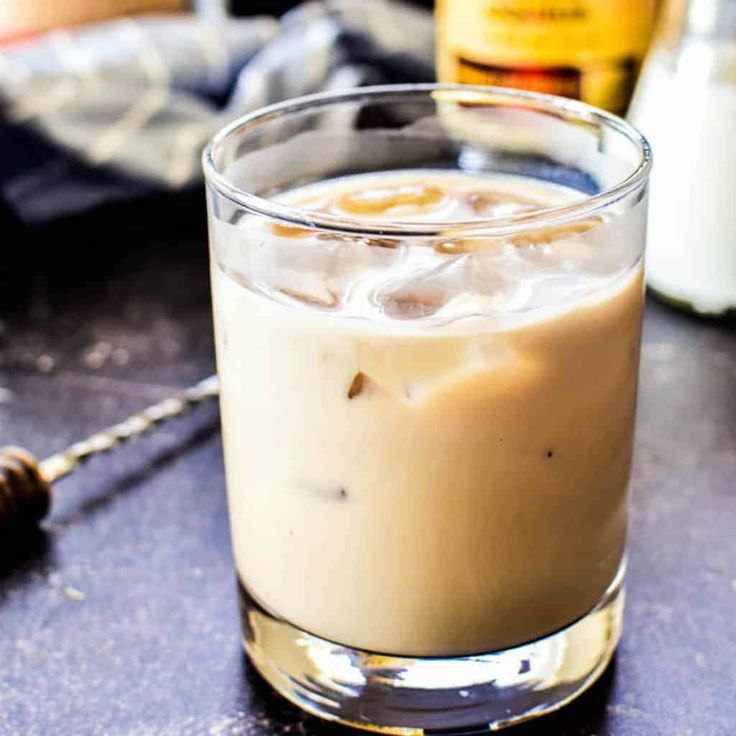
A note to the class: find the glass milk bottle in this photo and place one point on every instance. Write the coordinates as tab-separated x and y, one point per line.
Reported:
685	104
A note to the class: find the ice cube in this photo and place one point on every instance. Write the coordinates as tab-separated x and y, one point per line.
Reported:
579	247
321	271
492	285
459	286
552	289
312	292
489	204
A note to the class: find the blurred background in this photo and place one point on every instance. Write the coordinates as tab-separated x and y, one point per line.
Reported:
105	106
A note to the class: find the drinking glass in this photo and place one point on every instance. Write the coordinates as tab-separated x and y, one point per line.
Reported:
428	423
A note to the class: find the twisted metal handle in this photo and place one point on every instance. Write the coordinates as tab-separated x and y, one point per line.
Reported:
25	483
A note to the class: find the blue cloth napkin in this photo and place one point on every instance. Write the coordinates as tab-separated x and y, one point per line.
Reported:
123	109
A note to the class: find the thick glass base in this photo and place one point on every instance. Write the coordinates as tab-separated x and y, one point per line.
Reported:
410	695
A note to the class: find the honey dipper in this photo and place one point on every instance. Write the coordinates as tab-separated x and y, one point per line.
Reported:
25	482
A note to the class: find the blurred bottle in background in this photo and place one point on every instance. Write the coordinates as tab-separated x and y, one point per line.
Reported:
586	49
21	19
685	104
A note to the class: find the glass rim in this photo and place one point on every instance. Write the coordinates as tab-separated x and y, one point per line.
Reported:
564	108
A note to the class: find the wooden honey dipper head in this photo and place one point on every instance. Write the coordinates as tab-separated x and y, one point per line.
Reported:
25	494
25	483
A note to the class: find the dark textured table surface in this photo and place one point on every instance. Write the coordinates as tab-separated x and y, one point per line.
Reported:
119	617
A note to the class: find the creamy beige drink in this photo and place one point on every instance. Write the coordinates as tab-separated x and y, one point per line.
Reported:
427	444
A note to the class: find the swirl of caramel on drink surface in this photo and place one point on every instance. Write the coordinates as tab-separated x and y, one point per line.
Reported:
289	231
409	198
540	236
483	202
418	197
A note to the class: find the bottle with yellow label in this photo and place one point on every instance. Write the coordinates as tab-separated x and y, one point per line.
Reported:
586	49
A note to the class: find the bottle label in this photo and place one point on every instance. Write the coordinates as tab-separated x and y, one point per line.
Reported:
588	49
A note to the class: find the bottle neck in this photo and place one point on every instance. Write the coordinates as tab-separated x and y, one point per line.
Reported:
706	17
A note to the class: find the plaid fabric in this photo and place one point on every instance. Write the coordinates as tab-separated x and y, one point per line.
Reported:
124	108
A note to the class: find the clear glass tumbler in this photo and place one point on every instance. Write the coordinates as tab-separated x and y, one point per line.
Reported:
427	306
